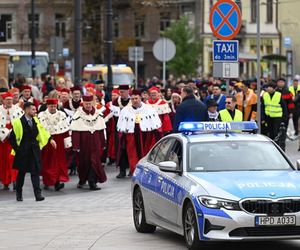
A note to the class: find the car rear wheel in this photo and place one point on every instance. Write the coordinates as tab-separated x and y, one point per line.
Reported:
190	227
139	214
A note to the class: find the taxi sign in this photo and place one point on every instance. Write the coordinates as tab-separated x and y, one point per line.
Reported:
216	126
225	51
225	19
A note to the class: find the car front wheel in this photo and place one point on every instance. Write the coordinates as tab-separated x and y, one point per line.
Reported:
191	235
139	214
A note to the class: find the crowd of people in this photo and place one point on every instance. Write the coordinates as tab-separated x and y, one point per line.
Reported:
50	126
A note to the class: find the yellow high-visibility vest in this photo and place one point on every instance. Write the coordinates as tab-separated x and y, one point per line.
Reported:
42	137
226	117
272	106
292	90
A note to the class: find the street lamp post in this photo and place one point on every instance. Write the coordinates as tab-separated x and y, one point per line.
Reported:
77	42
33	66
258	73
109	15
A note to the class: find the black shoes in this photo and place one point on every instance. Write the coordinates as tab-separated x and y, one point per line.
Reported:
80	185
58	186
94	187
19	197
39	197
121	176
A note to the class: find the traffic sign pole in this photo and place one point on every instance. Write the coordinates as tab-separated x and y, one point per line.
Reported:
225	21
164	63
258	66
164	50
136	66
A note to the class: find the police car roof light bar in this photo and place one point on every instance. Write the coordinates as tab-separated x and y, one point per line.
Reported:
205	127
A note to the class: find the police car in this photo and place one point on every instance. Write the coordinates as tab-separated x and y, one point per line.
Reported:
213	182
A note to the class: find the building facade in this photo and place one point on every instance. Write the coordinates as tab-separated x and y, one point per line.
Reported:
270	38
140	23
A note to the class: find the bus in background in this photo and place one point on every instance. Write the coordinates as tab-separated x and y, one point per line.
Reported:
122	74
20	63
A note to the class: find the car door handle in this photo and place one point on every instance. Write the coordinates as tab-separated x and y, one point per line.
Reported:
160	179
146	170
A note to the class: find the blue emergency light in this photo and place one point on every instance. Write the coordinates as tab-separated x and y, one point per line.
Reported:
217	126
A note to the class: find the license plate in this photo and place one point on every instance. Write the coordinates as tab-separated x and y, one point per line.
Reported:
275	220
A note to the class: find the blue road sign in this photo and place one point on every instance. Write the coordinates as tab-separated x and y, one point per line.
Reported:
225	51
225	19
34	62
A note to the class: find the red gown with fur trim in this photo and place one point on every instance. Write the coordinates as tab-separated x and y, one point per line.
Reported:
163	110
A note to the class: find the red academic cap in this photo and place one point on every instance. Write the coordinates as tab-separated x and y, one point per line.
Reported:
75	88
115	91
176	92
136	92
65	90
25	87
124	87
89	85
154	89
52	101
88	98
6	95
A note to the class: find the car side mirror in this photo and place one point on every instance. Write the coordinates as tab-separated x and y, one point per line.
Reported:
168	166
298	164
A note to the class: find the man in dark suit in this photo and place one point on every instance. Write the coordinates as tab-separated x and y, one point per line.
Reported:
27	139
190	110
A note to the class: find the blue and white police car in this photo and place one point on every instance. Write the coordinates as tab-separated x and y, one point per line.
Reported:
212	182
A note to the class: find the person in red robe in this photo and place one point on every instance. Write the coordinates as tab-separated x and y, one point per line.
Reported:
88	141
26	96
54	163
8	112
162	108
140	128
110	128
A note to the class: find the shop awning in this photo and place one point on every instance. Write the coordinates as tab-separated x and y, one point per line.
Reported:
274	57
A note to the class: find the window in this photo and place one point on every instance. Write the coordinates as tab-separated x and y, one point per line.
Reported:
253	11
176	154
226	156
36	25
269	11
60	25
159	153
6	26
139	26
165	20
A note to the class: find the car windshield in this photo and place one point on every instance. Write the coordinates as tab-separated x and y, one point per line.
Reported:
235	156
22	65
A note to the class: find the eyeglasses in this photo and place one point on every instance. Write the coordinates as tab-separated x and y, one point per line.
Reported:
228	102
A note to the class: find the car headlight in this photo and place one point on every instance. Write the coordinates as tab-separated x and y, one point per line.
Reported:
217	203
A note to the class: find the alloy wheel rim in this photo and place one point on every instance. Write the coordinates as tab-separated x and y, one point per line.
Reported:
138	209
189	226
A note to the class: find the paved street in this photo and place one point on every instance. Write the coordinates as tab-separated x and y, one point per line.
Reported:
81	219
